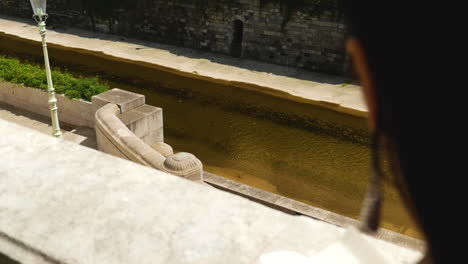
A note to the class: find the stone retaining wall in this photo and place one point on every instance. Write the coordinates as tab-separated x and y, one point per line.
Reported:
71	111
309	34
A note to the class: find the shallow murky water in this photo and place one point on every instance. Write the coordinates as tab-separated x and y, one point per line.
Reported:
317	168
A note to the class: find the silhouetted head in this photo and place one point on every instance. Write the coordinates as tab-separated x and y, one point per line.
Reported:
408	59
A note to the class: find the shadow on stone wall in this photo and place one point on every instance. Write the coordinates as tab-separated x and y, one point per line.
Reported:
274	31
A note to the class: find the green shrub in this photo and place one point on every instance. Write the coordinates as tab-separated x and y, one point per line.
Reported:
12	70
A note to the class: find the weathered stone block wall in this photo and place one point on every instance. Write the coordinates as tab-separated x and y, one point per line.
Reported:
273	30
75	112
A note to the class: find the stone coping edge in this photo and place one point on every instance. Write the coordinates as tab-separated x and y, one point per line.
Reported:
291	206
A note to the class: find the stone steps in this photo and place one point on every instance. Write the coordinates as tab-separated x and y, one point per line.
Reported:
145	121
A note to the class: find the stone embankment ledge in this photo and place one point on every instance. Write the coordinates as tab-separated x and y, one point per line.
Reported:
331	95
64	203
291	206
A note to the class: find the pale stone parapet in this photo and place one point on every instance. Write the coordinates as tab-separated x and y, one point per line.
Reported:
112	133
115	138
163	148
64	203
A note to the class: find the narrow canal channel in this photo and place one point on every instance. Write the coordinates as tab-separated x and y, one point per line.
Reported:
262	148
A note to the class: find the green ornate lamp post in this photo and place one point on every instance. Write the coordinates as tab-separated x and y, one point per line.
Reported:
40	15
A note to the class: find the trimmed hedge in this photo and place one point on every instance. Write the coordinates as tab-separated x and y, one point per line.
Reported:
14	71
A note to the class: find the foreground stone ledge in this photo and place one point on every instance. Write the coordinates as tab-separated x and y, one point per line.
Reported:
291	206
64	203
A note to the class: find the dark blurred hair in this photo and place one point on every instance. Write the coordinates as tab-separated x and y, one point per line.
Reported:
414	52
